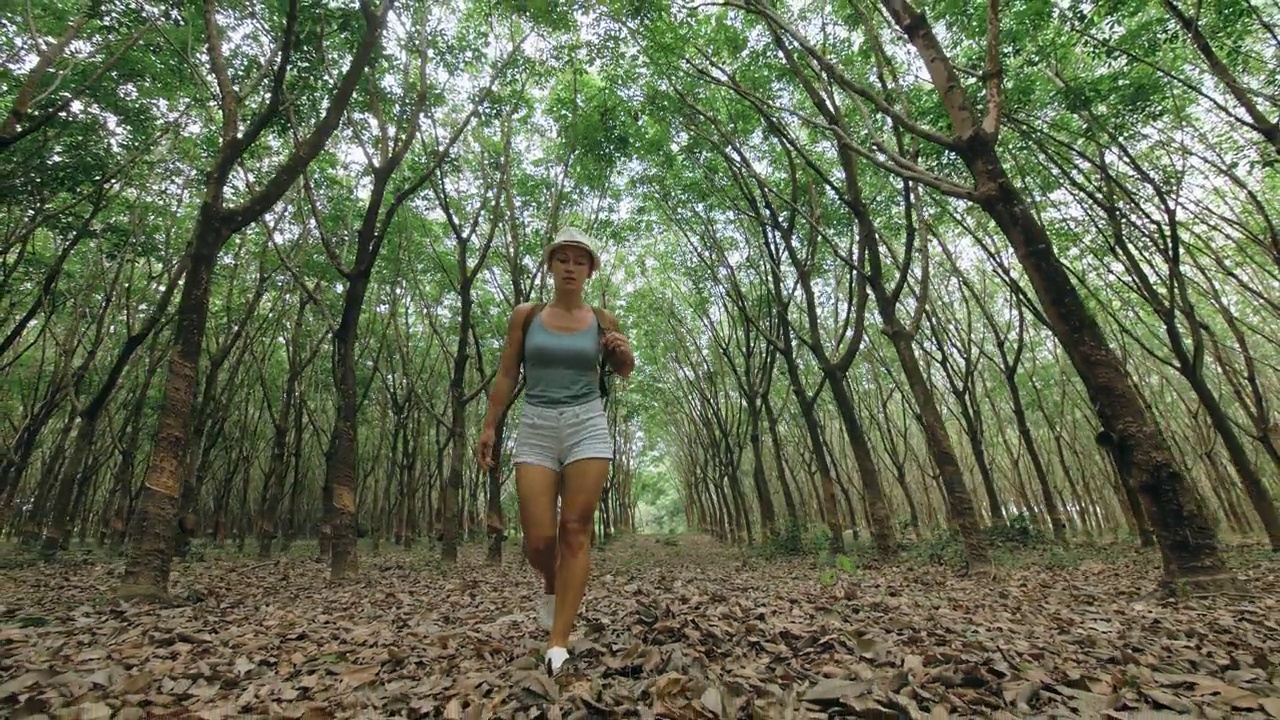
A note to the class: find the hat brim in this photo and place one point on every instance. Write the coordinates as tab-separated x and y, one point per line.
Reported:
546	256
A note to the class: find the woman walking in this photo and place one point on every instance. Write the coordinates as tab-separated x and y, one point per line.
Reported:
563	446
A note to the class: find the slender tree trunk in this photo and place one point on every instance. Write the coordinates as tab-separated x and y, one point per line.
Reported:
780	466
882	535
1258	121
274	487
743	527
1037	464
1254	486
452	490
959	502
122	483
295	482
764	495
14	464
72	478
1222	483
495	522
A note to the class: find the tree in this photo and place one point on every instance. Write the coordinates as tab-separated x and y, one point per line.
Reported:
147	568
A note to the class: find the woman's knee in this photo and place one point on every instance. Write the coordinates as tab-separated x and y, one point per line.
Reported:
539	546
575	535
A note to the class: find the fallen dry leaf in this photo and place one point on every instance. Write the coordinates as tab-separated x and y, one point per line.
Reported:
681	629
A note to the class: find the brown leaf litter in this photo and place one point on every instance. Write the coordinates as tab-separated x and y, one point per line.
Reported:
689	630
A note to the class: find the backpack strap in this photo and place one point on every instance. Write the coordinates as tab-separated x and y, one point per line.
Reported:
604	324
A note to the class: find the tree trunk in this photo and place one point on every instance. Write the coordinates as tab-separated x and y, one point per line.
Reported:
959	502
764	495
340	457
780	466
1254	486
1187	539
882	535
495	522
72	478
146	572
452	490
1037	464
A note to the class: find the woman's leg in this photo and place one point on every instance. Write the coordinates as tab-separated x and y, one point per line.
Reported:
583	482
536	489
537	461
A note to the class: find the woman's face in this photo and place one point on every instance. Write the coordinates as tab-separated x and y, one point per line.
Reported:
570	267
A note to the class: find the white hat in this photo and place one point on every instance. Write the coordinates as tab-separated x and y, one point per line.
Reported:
572	237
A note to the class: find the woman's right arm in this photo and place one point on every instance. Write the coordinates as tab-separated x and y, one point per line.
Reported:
504	383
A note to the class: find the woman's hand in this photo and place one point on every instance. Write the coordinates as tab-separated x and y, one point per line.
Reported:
619	347
484	448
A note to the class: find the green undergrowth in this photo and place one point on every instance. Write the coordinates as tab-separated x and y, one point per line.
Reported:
1019	543
14	554
424	553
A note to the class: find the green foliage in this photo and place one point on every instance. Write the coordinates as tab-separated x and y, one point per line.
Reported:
1019	535
1019	532
1060	557
555	15
795	540
659	508
596	123
843	565
791	541
941	548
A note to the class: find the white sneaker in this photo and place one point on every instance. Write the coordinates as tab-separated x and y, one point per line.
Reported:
547	611
556	658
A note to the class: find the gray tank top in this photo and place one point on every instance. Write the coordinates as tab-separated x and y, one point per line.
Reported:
561	369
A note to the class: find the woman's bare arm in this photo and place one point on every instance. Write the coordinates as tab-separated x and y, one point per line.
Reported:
504	383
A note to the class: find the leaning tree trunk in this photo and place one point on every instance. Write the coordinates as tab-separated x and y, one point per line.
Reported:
146	572
1187	538
451	492
779	465
1254	486
75	474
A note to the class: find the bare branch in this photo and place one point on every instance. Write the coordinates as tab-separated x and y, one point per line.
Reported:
303	153
218	66
833	71
994	72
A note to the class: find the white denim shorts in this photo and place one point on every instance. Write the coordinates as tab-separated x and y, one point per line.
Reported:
556	436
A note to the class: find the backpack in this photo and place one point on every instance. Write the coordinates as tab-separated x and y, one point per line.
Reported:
603	325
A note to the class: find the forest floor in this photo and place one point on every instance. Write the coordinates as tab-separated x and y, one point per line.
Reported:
673	627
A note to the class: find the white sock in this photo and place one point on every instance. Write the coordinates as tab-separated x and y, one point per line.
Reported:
556	657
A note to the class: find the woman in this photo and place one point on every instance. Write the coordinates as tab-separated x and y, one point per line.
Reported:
563	445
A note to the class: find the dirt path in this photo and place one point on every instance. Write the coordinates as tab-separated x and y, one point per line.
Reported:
683	630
